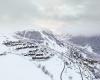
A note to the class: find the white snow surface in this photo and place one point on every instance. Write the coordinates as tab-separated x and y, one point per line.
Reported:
14	67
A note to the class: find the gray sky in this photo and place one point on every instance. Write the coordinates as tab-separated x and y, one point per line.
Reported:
77	17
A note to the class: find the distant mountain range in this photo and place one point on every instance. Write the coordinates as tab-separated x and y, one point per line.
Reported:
93	41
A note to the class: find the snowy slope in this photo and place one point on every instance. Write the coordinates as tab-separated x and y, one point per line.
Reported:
46	56
13	67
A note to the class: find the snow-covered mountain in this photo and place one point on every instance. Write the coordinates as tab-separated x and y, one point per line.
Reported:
57	60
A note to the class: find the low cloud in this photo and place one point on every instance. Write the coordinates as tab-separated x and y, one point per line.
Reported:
72	16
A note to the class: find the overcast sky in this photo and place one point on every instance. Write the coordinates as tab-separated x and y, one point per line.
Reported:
77	17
